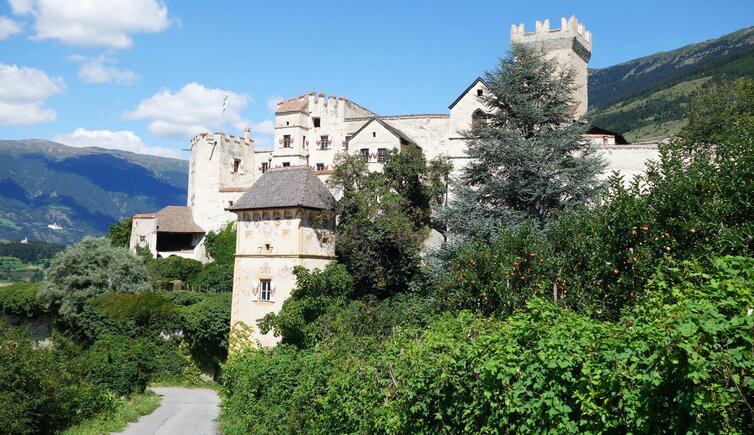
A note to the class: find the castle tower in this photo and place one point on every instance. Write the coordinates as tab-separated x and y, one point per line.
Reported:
571	46
221	168
285	220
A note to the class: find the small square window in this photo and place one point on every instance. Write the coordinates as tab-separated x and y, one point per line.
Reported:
286	164
316	121
365	153
142	239
267	293
479	92
320	166
230	203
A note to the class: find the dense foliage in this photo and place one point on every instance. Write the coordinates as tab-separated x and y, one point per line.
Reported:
633	315
384	217
89	268
221	246
119	233
20	299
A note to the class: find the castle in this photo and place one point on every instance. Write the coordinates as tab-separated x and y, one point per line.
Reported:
310	130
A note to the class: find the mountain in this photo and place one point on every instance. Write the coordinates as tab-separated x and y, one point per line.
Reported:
81	190
645	98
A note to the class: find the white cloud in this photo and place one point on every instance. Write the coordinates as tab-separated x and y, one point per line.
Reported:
272	103
265	127
192	110
8	28
100	69
23	92
93	23
115	140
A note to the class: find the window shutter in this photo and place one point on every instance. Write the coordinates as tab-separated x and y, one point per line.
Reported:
255	291
273	287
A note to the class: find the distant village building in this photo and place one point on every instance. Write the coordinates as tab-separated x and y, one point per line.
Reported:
229	179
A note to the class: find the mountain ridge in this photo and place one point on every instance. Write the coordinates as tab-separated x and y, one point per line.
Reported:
83	190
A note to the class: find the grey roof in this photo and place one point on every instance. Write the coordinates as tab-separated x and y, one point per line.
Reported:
293	186
176	219
397	133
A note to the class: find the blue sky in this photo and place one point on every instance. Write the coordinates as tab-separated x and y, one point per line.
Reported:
146	75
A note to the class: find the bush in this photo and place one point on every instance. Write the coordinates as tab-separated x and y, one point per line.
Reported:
89	268
44	389
221	246
130	315
162	270
20	299
121	364
214	277
206	328
119	233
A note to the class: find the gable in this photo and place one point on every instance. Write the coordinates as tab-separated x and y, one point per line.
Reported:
476	84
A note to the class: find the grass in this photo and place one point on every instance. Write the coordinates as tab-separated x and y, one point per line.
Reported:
128	410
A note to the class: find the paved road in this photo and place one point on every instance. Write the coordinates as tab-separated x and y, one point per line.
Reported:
182	411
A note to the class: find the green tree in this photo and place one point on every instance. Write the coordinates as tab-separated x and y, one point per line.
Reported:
89	268
119	233
528	159
384	217
719	110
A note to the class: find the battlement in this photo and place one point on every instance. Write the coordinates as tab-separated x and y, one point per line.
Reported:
568	28
218	135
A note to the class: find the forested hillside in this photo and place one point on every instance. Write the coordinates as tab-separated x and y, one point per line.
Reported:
82	190
646	97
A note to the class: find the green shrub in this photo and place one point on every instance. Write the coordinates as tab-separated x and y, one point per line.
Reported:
131	315
206	329
122	365
173	268
213	278
20	299
89	268
221	246
45	388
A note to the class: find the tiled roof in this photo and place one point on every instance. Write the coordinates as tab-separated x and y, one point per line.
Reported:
145	216
299	104
176	219
233	189
293	186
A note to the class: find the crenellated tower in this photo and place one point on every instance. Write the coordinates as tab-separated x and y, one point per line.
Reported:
571	46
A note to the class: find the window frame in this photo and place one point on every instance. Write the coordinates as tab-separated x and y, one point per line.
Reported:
266	293
287	142
382	155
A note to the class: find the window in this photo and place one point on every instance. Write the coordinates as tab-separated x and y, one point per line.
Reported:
316	121
479	92
478	118
324	142
265	167
286	164
267	293
230	203
381	155
236	165
365	153
320	166
142	239
287	141
374	134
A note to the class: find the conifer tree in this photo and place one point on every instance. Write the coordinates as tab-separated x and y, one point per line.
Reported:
528	158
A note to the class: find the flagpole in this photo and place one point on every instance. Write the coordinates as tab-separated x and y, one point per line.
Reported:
222	116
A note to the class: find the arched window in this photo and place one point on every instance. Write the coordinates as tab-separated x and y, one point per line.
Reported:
478	118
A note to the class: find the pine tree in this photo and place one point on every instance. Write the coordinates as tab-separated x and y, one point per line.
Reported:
528	159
